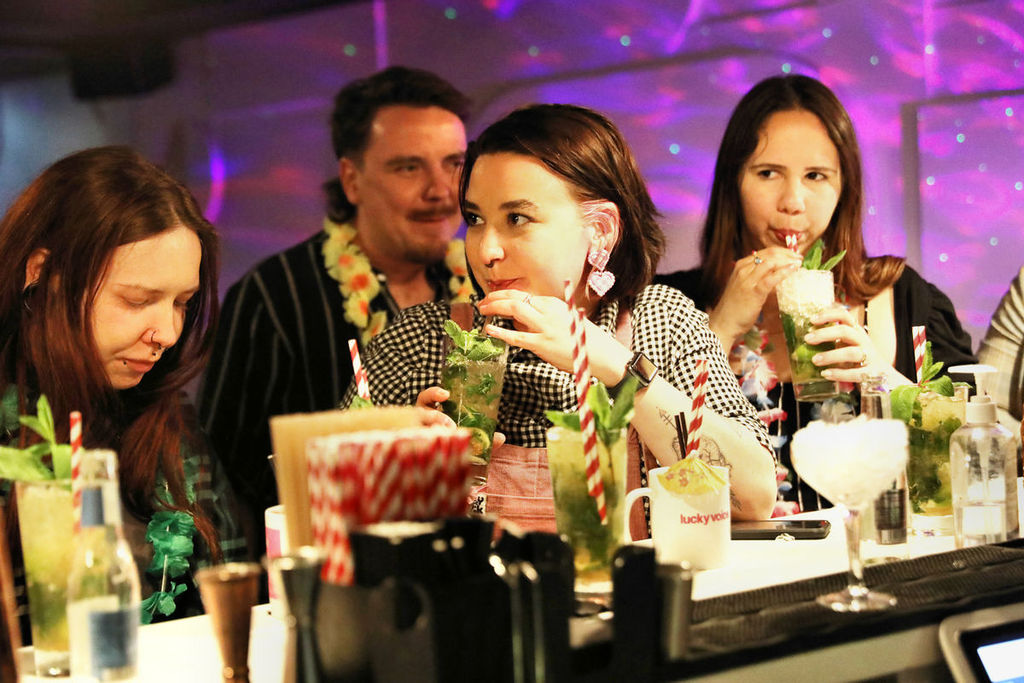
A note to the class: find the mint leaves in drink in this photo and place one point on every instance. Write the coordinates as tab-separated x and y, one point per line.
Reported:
609	419
28	464
812	259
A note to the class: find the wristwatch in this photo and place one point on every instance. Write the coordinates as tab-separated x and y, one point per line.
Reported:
639	366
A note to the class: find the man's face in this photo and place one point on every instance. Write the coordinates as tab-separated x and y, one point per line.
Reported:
405	187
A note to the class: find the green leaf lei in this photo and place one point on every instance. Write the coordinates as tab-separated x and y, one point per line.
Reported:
169	531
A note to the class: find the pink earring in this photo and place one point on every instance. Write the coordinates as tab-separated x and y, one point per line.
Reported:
600	280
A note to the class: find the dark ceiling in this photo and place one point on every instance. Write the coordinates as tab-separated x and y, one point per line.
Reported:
42	36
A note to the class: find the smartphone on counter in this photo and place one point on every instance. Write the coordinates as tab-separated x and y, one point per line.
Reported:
769	529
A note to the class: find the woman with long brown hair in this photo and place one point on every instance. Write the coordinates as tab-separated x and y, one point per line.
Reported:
788	173
108	292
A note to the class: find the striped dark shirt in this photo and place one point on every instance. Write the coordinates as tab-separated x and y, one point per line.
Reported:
281	347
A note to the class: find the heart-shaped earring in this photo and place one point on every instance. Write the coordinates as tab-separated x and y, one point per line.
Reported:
600	281
598	258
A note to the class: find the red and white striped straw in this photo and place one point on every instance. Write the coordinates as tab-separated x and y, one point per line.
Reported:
76	466
359	372
581	375
699	383
919	342
792	242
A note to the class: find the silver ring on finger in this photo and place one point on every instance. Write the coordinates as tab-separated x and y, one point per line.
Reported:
757	259
863	358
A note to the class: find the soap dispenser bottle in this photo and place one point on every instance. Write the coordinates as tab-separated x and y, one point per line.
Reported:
983	472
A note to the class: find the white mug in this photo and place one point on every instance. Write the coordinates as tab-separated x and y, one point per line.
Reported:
686	528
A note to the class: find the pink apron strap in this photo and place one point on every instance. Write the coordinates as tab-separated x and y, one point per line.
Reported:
519	487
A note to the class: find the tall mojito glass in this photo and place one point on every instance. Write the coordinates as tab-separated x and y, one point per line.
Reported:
934	419
576	517
46	525
803	295
473	373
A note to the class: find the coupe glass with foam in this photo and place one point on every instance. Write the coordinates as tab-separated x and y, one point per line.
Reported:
851	463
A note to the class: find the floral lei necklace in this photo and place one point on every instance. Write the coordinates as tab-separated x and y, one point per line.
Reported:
359	284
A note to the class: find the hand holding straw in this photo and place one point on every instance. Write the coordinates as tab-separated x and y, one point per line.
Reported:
699	382
358	371
919	341
581	374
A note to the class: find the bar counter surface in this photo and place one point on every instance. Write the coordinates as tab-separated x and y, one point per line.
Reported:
186	649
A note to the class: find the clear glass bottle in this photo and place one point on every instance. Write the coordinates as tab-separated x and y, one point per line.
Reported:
983	470
884	526
103	587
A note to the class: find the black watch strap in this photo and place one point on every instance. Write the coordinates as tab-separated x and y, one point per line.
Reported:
639	366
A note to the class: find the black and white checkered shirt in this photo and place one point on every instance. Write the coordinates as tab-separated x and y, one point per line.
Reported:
406	358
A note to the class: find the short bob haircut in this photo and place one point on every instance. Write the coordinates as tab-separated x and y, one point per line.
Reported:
80	210
857	276
587	151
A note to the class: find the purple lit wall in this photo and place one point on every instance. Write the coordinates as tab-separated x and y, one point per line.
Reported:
935	89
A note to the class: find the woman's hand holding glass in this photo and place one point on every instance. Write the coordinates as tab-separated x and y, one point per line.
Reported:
855	354
753	278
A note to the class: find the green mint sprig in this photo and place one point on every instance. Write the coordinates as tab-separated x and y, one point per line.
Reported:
903	397
812	260
472	345
609	419
28	463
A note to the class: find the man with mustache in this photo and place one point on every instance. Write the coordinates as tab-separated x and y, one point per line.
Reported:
392	211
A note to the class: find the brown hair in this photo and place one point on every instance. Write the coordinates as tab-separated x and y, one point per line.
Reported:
586	150
80	210
357	104
857	275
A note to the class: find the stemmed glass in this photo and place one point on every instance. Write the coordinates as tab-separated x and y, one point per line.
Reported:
851	463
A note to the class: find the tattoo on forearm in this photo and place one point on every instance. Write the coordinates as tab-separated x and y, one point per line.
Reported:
712	455
666	417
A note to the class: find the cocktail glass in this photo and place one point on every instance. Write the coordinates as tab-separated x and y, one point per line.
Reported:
474	382
934	419
47	527
803	295
576	517
851	463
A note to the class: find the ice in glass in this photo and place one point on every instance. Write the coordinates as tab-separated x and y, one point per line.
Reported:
576	517
473	374
851	463
934	419
803	295
46	525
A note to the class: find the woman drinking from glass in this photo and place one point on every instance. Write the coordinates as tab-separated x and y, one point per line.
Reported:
552	193
788	173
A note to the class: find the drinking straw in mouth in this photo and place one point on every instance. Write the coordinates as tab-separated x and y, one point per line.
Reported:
699	382
791	242
919	340
362	381
581	375
76	467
